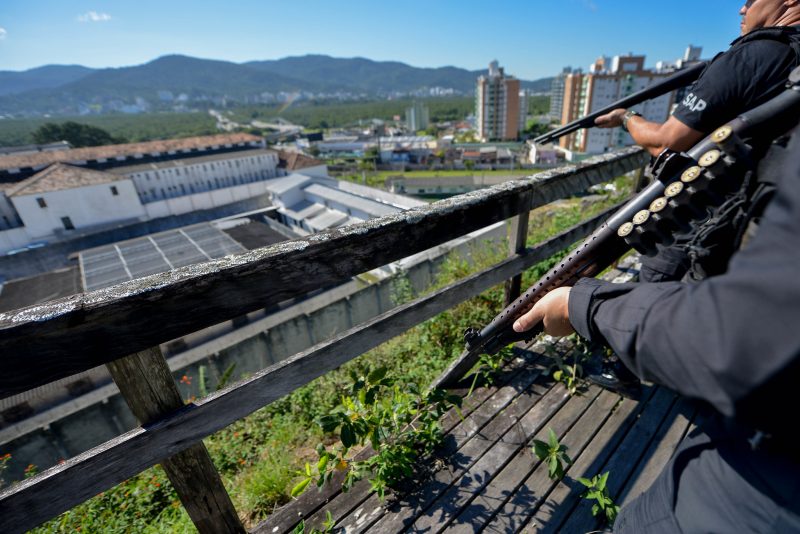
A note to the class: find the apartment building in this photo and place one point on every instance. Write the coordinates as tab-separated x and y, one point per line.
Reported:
557	94
417	117
523	109
497	105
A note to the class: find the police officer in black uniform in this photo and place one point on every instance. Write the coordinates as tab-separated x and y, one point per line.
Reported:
732	341
751	72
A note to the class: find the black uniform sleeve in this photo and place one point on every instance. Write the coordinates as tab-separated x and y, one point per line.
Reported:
736	81
732	340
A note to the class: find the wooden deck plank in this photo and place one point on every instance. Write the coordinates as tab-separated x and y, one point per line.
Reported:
624	459
531	420
506	463
529	393
309	502
459	461
479	489
563	497
304	507
669	436
521	376
520	372
515	495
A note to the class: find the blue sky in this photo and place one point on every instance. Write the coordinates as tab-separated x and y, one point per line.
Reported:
532	39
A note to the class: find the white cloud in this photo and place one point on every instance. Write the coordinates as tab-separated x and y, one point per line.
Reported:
94	16
3	33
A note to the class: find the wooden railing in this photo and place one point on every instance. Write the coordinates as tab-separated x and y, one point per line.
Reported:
122	327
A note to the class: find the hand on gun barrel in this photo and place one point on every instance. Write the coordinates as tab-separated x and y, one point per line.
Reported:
552	311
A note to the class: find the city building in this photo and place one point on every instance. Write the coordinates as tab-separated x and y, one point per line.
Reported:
417	117
557	94
497	105
407	148
545	155
523	109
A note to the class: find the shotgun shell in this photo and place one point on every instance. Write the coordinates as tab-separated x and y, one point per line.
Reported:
722	134
673	189
709	158
641	217
691	174
625	230
658	204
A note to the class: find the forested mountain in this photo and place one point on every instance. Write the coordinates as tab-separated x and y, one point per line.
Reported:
367	75
41	77
179	82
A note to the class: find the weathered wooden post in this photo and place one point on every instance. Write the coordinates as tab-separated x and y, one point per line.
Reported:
146	383
517	239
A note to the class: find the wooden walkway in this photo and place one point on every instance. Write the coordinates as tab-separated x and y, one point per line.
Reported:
489	480
485	477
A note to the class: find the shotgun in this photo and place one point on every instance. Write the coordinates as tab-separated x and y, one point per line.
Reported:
684	188
677	80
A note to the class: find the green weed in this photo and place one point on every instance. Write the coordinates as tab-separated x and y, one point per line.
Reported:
553	454
399	421
597	490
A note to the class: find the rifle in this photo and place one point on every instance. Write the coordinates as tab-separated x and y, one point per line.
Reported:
685	187
680	79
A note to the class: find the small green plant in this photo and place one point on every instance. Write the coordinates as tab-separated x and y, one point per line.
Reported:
597	490
568	371
226	376
31	471
4	459
488	365
401	290
553	453
327	526
399	422
202	379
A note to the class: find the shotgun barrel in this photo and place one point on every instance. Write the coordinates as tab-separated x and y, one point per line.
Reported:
677	80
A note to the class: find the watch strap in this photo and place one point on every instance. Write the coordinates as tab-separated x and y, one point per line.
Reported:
627	116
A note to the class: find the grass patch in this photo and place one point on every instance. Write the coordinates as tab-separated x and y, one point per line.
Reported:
378	179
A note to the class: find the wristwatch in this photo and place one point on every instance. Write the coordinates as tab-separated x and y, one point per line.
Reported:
625	118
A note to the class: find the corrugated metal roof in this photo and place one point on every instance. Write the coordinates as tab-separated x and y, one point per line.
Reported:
303	209
327	219
375	209
286	183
